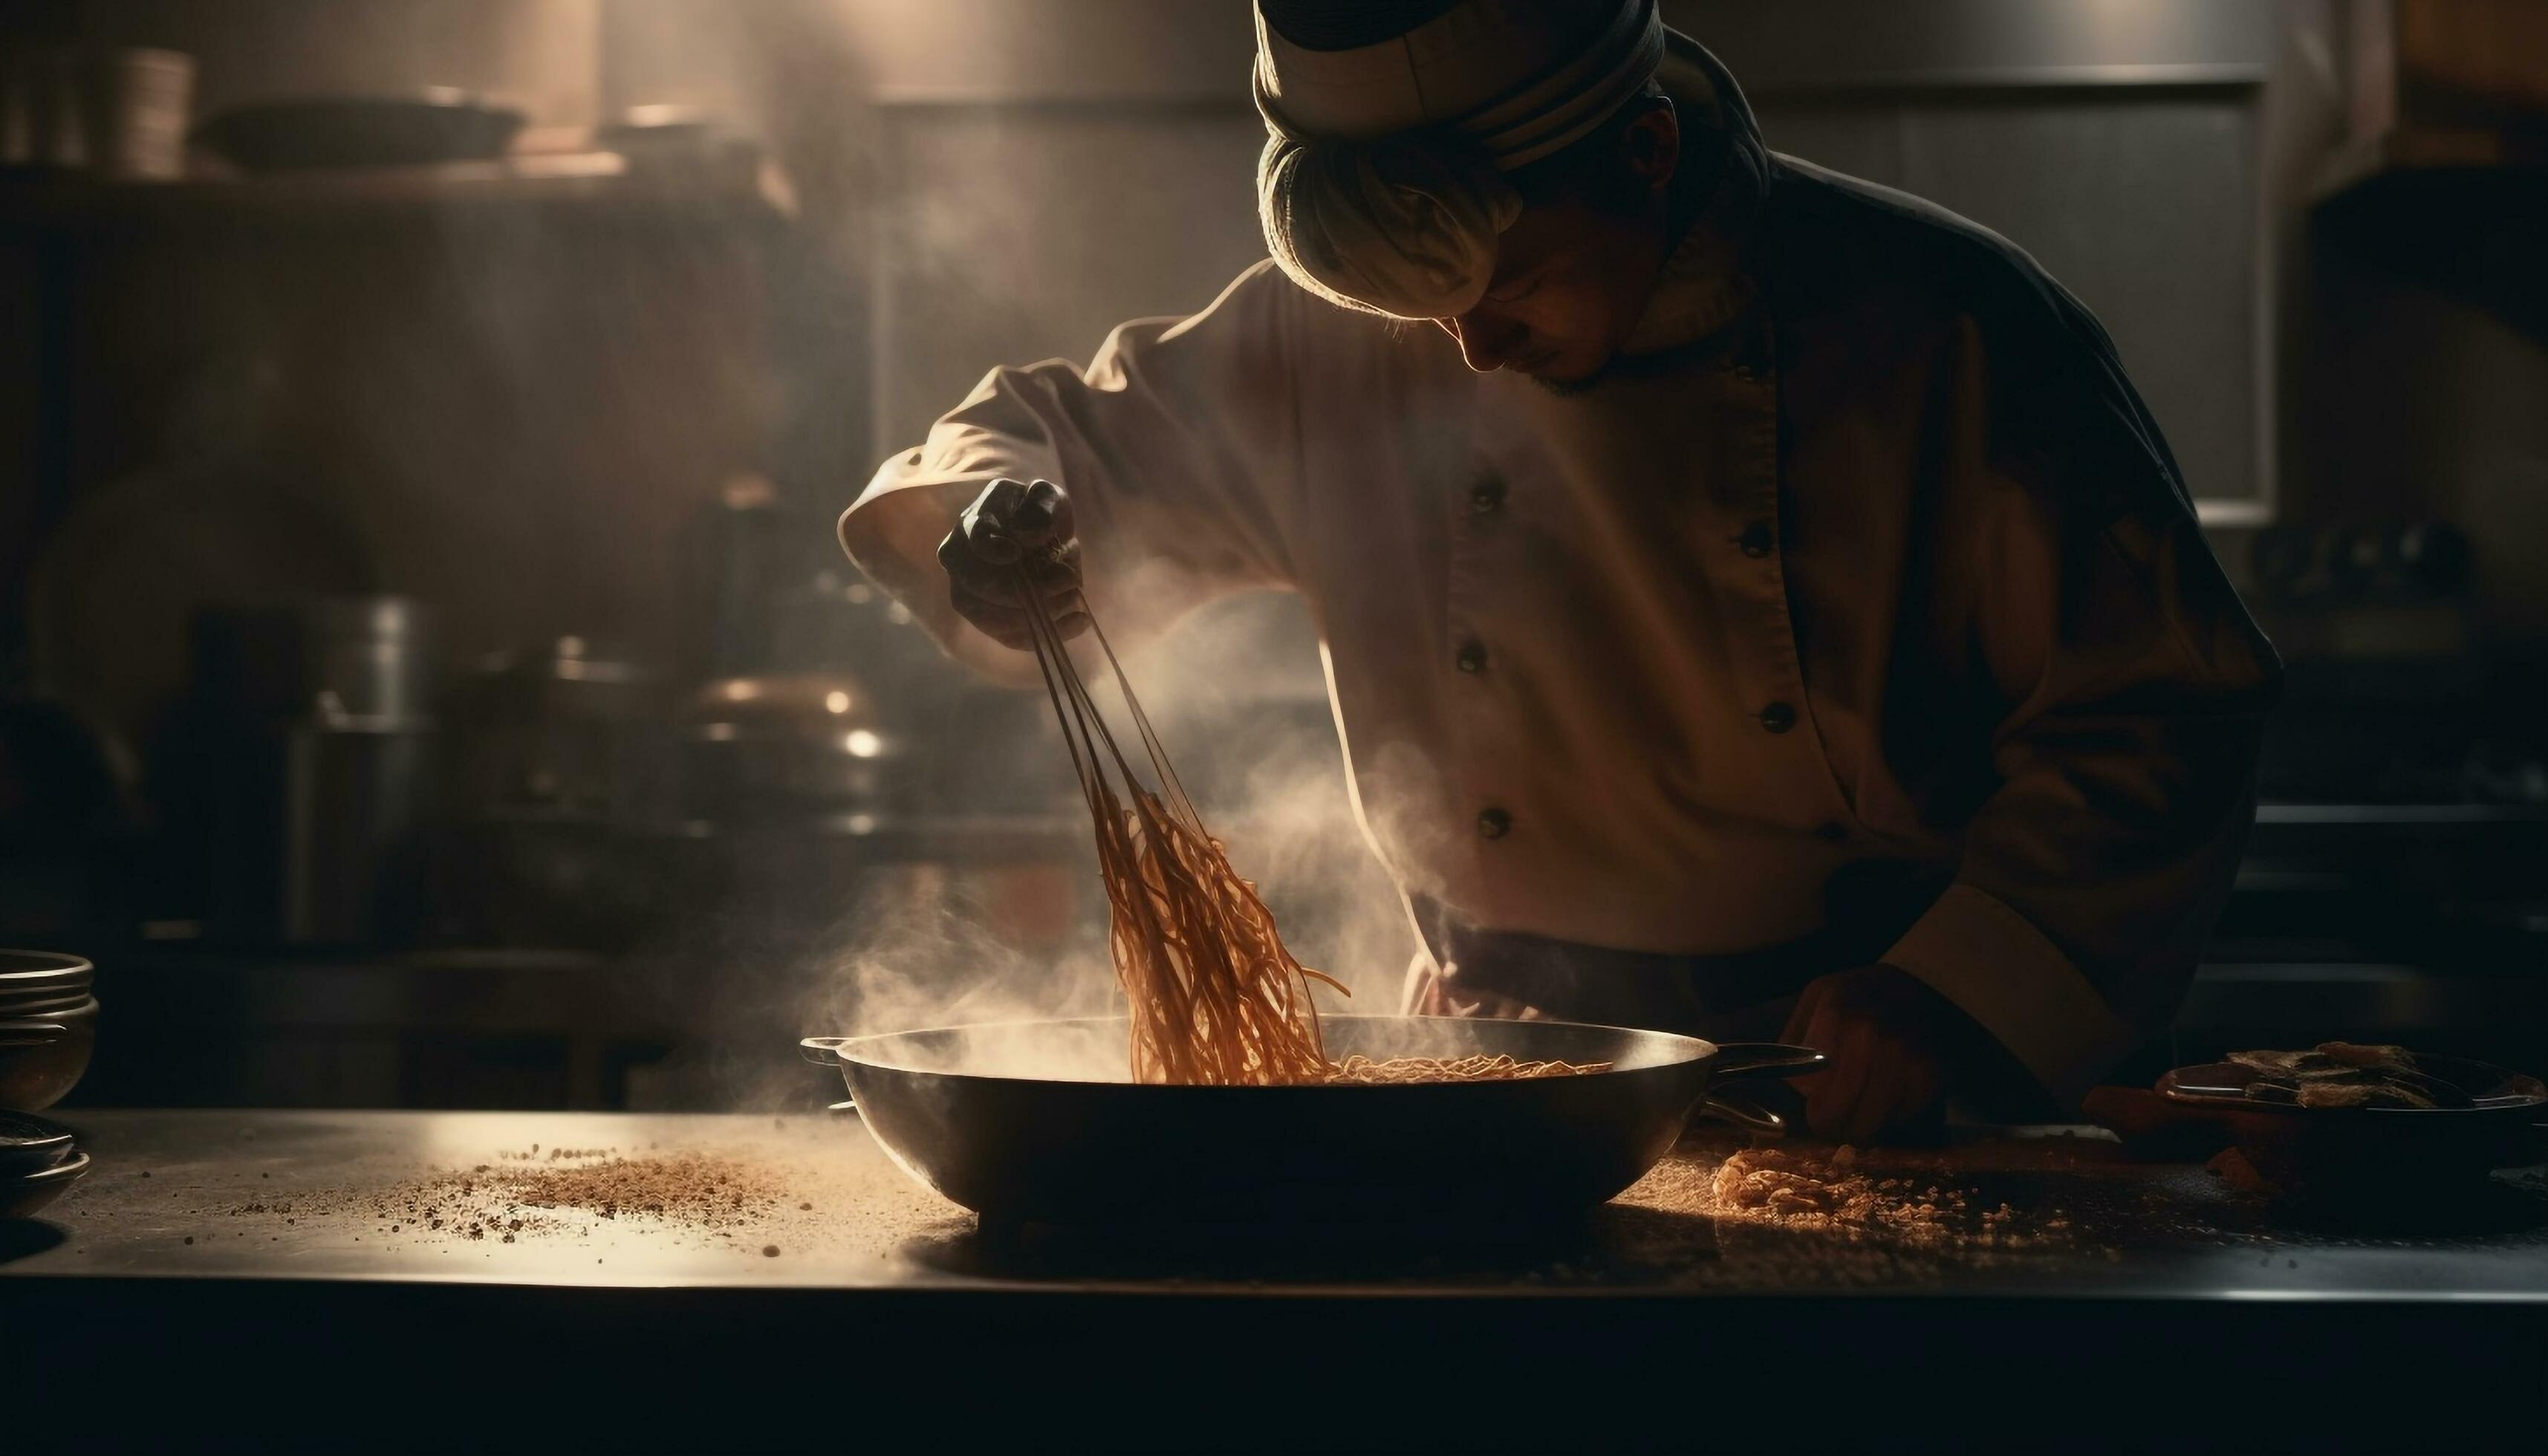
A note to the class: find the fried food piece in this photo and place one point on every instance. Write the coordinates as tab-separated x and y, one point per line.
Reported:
2361	1094
2346	1074
2288	1065
2320	1064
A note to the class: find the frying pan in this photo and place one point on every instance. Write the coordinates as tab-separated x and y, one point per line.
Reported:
1018	1122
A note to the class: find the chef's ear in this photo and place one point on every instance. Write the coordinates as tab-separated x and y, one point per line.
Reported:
1651	143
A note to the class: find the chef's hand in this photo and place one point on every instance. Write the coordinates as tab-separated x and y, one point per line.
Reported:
1010	530
1895	1046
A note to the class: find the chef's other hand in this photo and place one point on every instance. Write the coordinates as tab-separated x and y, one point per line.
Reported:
1013	530
1895	1046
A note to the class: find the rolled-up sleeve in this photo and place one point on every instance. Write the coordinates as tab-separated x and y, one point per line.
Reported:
2126	688
1178	445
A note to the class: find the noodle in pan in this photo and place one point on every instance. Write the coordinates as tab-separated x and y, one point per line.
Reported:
1214	996
1478	1068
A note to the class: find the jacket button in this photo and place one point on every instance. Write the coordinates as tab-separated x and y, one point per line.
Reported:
1494	824
1757	540
1778	717
1472	658
1747	373
1487	497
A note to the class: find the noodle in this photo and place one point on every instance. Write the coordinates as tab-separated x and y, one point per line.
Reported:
1213	994
1478	1068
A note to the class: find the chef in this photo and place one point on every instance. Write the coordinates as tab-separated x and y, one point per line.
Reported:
1754	600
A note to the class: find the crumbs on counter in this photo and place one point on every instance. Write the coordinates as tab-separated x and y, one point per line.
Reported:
563	1192
1834	1195
557	1153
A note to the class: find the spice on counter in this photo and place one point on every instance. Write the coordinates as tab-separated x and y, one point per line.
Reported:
569	1192
702	1190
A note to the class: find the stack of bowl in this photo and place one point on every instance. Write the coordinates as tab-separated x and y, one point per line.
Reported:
47	1026
39	1162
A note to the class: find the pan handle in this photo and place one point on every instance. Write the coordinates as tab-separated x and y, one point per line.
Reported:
822	1051
1733	1107
1763	1059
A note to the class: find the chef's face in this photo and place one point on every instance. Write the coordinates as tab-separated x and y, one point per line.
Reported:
1573	271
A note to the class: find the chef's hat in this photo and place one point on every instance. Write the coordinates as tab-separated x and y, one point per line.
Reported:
1391	124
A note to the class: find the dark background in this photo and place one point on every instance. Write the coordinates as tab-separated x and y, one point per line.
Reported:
623	407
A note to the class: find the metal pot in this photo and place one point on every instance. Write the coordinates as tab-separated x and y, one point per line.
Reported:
559	753
560	728
807	746
308	756
344	660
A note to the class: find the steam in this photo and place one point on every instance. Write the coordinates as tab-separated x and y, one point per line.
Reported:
926	950
1239	695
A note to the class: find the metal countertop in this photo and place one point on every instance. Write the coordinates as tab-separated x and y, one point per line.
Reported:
2167	1312
2148	1230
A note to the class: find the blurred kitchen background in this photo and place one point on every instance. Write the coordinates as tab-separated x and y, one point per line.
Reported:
428	677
